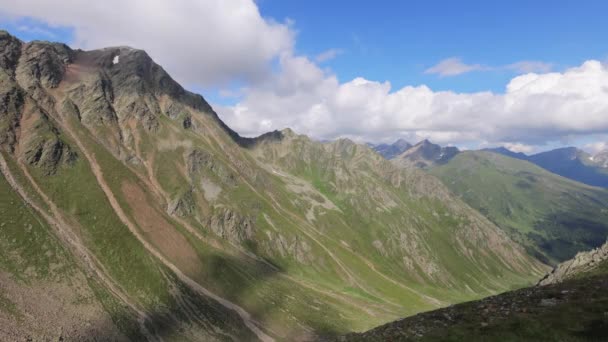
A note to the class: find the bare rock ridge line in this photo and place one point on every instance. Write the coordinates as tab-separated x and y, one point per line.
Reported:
245	316
581	263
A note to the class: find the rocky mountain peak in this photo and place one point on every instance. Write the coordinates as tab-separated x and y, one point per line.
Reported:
10	50
425	154
389	151
402	143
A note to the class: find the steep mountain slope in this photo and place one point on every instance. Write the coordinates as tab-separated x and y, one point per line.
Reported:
389	151
583	264
572	163
568	162
552	216
184	230
574	310
424	155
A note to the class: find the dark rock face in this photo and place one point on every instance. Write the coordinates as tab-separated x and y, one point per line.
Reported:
11	102
43	63
10	51
28	72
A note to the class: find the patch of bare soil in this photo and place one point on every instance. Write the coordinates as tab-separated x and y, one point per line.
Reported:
159	231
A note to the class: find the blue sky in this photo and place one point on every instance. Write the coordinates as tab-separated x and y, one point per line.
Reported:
392	69
398	40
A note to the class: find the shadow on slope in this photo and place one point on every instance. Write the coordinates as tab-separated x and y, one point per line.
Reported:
570	311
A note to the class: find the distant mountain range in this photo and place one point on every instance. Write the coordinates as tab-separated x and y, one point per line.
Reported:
552	216
422	155
389	151
569	162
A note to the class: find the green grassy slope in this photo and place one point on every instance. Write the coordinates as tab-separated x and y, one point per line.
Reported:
569	311
552	216
184	220
568	305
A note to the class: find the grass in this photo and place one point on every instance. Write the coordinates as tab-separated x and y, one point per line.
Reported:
8	306
551	216
29	251
576	312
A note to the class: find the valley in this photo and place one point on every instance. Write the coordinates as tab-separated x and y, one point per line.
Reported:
177	228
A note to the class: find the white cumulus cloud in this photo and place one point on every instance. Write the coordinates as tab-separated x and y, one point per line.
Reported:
534	109
212	42
199	42
596	147
453	66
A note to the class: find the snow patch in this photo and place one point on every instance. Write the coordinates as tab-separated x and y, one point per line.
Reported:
116	60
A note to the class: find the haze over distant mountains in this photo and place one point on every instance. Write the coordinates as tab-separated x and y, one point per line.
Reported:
569	162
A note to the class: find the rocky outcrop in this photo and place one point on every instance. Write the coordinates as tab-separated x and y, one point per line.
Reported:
28	71
294	247
574	311
183	205
200	162
10	50
582	263
43	64
231	225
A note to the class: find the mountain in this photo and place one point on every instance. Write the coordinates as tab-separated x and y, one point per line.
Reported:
424	155
506	152
569	310
553	217
601	159
583	264
130	211
392	150
573	163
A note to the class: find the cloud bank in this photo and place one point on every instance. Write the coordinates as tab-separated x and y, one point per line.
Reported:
215	42
534	109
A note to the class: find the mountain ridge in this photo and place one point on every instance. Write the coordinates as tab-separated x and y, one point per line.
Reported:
205	235
553	216
424	155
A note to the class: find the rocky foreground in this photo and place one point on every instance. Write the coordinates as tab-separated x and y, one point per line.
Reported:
569	304
582	263
575	310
